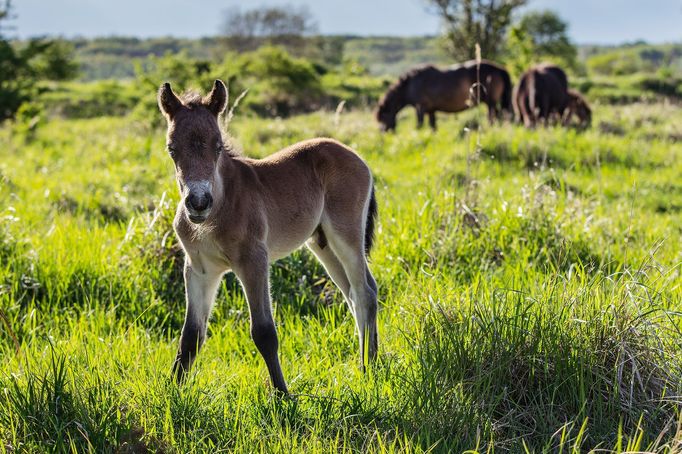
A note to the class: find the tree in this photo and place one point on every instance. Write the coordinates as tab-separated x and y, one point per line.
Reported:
548	34
285	26
467	22
5	15
22	65
55	61
520	53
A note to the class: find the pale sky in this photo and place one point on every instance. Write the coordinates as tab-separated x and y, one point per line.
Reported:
591	21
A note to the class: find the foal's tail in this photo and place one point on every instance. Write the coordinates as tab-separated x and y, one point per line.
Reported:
369	226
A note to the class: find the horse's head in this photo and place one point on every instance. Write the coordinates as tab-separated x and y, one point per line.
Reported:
578	105
195	143
386	118
391	103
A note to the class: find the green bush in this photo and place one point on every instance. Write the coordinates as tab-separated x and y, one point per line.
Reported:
90	100
23	65
278	83
631	88
281	84
642	58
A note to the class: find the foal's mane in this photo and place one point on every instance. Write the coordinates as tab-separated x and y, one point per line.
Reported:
194	100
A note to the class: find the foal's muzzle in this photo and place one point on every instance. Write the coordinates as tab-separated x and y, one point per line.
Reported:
198	201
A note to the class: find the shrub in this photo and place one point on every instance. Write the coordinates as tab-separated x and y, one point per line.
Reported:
281	84
23	65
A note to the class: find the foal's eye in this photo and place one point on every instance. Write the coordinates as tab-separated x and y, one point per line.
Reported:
219	148
171	151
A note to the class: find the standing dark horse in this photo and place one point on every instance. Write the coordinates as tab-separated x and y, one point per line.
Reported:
541	93
429	89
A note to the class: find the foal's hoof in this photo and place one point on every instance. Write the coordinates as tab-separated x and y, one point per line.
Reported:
282	394
281	390
178	373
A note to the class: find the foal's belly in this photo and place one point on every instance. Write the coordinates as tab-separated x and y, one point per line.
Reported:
289	229
285	241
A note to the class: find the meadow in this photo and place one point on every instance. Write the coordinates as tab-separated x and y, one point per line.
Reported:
530	294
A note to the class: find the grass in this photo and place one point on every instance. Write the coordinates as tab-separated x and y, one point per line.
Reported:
530	295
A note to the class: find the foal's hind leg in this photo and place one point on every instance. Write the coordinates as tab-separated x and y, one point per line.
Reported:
347	245
333	267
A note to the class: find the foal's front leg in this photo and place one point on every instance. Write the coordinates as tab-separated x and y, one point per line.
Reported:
252	270
201	285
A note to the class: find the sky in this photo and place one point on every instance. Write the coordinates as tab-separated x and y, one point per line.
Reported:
590	21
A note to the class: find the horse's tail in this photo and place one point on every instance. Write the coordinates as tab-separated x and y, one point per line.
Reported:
507	93
532	96
516	93
521	100
369	225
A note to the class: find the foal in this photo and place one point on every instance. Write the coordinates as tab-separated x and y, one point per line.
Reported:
240	214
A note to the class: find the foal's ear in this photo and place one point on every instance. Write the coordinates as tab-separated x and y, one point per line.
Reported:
168	102
216	101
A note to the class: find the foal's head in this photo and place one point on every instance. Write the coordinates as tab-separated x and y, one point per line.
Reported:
578	105
195	143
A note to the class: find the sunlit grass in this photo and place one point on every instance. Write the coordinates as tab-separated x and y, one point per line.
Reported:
530	295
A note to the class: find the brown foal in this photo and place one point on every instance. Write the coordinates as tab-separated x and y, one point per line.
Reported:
239	214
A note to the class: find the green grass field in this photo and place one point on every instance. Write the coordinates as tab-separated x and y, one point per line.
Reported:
530	295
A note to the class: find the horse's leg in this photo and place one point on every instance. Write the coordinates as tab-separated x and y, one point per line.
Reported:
527	113
544	110
420	116
252	271
432	120
333	267
201	285
566	116
491	113
347	244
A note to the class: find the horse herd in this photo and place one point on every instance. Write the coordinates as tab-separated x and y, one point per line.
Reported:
239	214
541	94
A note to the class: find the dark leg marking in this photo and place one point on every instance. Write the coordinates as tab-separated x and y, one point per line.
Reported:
191	340
265	338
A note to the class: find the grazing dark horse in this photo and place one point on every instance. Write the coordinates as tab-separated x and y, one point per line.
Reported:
430	89
240	214
578	106
556	71
541	94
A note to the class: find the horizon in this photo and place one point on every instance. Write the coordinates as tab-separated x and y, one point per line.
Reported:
347	35
629	21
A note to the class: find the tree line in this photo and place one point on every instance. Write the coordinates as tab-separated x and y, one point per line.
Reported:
464	23
517	40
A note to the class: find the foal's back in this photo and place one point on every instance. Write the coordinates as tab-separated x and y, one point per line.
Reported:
304	185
